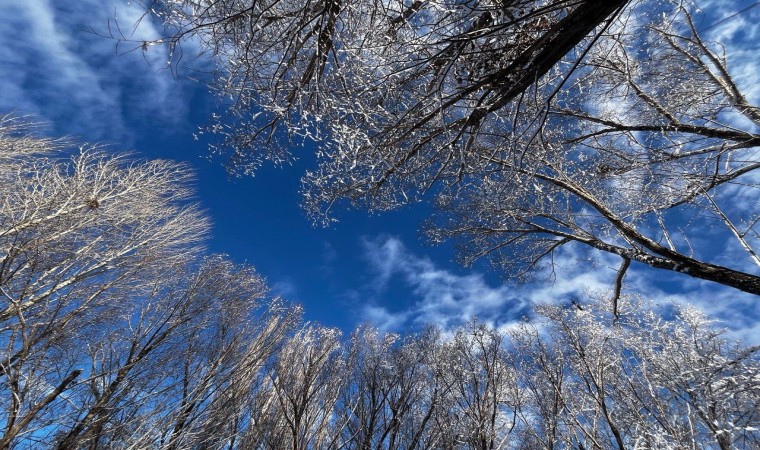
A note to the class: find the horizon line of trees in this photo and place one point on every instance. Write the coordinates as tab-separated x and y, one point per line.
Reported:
117	331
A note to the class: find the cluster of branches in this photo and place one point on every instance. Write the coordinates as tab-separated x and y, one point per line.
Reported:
532	124
652	148
115	333
397	72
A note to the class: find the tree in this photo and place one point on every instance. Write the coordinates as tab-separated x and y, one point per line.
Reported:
179	372
483	397
76	234
388	72
503	114
568	379
645	382
635	159
115	335
363	407
294	407
393	396
113	332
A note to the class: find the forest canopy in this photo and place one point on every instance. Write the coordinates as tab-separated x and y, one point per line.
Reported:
532	126
118	332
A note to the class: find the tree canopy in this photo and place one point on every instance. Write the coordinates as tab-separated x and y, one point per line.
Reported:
531	125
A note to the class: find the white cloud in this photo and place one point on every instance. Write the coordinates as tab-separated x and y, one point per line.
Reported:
446	299
383	319
285	288
738	31
51	66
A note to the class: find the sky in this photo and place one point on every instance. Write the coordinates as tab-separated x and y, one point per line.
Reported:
56	65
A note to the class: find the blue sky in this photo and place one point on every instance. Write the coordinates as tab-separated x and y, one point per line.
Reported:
372	268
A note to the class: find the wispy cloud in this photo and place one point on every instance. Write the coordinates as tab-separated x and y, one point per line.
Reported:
285	288
51	66
736	25
383	319
446	299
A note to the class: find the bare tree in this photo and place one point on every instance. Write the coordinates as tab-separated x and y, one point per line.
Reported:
177	369
114	333
542	369
645	382
708	384
75	235
531	124
570	379
416	402
363	410
482	395
295	406
393	397
255	343
641	155
394	73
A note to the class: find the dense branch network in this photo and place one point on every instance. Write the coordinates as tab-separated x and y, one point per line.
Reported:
637	156
393	73
532	124
116	334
